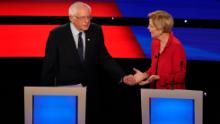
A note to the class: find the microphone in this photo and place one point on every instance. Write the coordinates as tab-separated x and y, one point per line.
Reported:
157	55
172	84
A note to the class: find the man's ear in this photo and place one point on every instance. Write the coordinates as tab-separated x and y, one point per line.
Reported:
71	18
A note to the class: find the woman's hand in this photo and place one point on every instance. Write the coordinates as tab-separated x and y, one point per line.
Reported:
150	79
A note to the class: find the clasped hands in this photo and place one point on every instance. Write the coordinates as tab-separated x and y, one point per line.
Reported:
140	78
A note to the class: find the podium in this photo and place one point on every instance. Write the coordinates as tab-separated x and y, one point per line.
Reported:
171	106
54	105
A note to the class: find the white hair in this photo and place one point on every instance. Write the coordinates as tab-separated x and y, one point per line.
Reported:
73	8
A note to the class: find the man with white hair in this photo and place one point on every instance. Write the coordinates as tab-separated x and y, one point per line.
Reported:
75	55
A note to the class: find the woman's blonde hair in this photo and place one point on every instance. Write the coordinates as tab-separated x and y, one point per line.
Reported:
162	20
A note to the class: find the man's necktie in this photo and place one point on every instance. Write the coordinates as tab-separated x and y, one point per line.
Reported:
80	46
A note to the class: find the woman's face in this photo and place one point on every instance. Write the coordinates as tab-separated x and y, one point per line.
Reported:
155	33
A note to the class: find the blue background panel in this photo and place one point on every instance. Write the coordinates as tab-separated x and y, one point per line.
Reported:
184	9
199	43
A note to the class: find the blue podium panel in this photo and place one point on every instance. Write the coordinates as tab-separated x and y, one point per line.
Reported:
163	106
52	109
54	105
171	111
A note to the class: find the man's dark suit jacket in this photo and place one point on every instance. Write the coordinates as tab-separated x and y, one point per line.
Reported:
62	64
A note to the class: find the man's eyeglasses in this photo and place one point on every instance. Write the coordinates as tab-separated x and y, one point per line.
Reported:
83	17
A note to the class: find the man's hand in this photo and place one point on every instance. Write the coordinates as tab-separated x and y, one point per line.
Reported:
136	78
129	80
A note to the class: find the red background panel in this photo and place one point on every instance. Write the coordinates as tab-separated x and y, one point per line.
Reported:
121	42
34	8
30	41
23	40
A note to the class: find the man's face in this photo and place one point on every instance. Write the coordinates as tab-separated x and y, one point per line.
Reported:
81	19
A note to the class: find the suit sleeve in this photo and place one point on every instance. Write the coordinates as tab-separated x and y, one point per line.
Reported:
107	63
49	62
